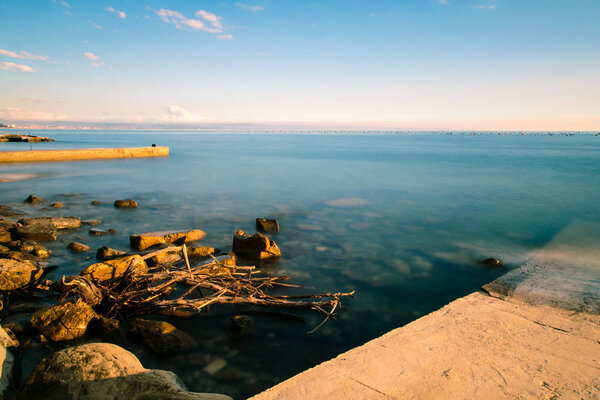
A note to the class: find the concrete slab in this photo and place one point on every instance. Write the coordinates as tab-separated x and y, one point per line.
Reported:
538	338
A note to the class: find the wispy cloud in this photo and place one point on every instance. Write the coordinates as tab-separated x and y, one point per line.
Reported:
248	7
489	5
228	36
23	55
66	5
121	14
95	25
207	21
91	56
10	66
445	2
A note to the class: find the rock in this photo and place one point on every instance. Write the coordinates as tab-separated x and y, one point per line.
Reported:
257	247
37	232
20	256
200	251
6	228
114	268
127	203
81	287
66	321
13	330
77	247
161	336
167	257
33	200
492	263
30	247
103	371
18	274
106	253
57	205
95	203
7	362
240	324
267	225
7	211
56	222
110	329
215	366
143	241
91	221
100	232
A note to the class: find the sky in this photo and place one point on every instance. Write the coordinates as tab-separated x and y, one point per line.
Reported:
329	64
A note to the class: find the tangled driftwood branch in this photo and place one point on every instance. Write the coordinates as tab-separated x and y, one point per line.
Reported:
183	290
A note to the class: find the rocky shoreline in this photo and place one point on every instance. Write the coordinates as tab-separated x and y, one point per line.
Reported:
100	303
16	137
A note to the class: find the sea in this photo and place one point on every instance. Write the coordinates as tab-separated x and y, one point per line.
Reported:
401	218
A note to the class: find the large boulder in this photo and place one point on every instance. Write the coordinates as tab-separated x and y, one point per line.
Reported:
143	241
18	274
160	336
66	321
56	222
103	371
115	268
258	246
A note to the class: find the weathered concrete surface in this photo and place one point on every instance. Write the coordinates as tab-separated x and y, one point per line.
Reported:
527	343
82	154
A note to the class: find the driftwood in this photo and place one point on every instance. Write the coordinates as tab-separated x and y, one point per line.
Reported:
183	290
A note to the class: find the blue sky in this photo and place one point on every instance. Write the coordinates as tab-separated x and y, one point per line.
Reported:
404	64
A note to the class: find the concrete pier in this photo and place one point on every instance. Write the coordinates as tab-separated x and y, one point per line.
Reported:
81	154
532	334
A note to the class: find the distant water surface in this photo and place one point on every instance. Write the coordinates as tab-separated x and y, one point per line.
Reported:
401	219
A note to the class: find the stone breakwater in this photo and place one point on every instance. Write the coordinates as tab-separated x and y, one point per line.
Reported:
82	154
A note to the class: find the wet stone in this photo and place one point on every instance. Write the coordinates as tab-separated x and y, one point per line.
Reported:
143	241
6	227
267	225
57	205
100	232
56	222
18	274
95	203
91	221
106	253
64	321
33	200
160	336
492	263
114	268
37	232
77	247
127	203
257	247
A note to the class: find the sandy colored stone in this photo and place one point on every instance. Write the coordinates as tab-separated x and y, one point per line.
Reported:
6	228
106	253
37	232
114	268
17	274
57	205
77	247
127	203
66	321
267	225
143	241
103	371
33	200
56	222
200	251
256	247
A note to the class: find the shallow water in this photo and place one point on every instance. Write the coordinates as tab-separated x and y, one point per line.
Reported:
400	218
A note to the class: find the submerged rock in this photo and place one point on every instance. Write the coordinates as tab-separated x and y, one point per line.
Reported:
63	321
37	232
33	200
492	263
7	362
257	247
161	336
77	247
95	203
56	222
127	203
103	371
91	221
143	241
240	324
18	274
114	268
106	253
100	232
30	247
57	205
200	251
267	225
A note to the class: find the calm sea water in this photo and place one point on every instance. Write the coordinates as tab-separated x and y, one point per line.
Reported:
402	219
